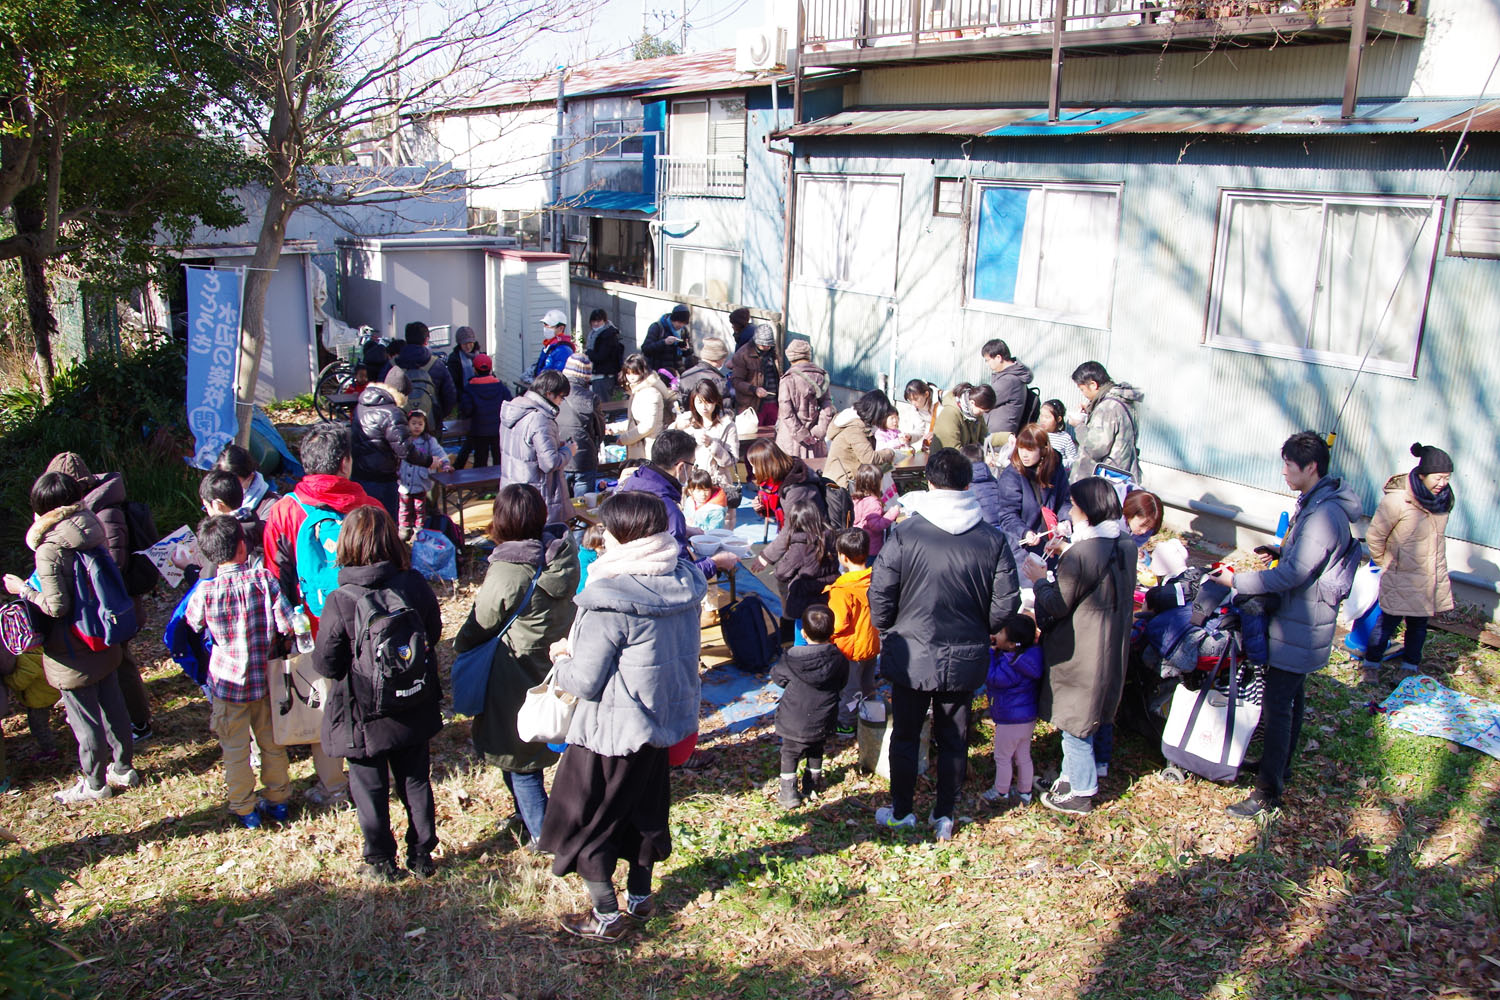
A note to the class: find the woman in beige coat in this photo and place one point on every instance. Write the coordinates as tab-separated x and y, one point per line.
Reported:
650	408
1407	541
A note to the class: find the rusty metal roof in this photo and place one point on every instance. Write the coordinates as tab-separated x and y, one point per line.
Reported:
1415	115
694	72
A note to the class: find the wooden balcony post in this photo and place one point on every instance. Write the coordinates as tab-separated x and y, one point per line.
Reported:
1059	25
1357	32
916	21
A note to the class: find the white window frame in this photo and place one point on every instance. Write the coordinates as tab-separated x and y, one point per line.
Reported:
1427	242
848	223
672	248
975	202
710	106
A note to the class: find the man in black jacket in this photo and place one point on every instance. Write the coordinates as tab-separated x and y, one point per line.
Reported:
944	583
669	341
606	353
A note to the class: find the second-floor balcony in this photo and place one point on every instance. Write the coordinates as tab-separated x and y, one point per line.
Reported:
607	169
717	176
874	32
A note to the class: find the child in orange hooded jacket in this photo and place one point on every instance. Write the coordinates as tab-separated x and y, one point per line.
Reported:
853	633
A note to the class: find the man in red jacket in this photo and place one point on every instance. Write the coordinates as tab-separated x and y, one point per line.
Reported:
326	455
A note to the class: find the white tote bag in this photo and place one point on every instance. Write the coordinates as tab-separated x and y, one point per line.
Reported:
1208	730
546	712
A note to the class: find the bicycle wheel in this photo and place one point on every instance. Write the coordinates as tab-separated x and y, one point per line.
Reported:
333	381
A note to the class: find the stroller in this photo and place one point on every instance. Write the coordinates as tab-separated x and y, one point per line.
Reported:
1190	685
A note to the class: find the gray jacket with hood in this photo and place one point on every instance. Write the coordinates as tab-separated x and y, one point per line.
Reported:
634	661
1301	630
944	583
531	450
1010	398
1110	434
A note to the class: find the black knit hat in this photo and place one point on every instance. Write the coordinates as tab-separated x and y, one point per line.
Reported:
1431	460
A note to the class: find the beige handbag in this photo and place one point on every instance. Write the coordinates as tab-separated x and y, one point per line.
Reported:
298	695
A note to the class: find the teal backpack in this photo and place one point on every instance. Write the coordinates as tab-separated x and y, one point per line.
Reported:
316	551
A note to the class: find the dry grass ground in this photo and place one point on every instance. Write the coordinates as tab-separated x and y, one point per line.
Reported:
1379	880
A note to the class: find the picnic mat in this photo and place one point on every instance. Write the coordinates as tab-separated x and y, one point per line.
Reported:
1423	706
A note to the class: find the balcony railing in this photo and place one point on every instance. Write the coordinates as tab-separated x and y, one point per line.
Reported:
721	176
839	32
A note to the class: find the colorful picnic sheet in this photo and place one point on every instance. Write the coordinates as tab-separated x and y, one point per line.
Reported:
1423	706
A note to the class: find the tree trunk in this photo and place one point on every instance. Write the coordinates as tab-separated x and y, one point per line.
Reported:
253	313
29	218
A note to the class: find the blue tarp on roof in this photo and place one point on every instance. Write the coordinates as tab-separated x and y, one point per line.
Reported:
611	201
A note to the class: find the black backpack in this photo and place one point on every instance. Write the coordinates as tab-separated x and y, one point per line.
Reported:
390	673
140	529
1031	410
839	504
751	633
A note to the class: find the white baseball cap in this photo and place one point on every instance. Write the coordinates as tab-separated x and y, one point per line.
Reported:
554	317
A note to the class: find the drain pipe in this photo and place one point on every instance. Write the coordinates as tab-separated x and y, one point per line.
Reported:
1269	528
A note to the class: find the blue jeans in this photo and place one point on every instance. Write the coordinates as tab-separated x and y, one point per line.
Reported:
1078	766
530	793
580	483
1104	743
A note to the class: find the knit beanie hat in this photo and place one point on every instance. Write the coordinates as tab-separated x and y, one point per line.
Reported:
764	336
799	350
69	463
396	379
482	363
1431	460
579	366
465	335
713	351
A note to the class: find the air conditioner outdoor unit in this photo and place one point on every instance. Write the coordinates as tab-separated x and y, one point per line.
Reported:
760	49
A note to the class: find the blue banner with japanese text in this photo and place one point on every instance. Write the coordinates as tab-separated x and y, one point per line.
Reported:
213	348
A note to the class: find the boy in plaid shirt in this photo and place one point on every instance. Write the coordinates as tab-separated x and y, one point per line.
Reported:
243	610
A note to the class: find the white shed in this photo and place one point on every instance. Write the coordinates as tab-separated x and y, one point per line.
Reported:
440	280
521	285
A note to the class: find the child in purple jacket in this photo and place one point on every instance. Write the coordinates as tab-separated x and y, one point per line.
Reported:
1014	686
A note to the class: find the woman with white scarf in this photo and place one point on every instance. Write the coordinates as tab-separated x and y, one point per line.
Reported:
1084	610
632	661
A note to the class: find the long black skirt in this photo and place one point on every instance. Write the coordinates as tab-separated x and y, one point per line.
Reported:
603	809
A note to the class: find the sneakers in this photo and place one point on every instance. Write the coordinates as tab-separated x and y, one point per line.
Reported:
381	872
1061	799
421	865
592	926
81	792
700	760
276	812
139	734
942	827
994	796
249	820
845	731
318	795
1253	805
121	777
885	816
640	909
788	798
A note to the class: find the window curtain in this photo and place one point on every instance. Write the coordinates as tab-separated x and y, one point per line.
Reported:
1370	251
1270	269
1075	269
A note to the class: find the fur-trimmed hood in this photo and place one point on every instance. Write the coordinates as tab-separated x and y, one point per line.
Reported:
70	527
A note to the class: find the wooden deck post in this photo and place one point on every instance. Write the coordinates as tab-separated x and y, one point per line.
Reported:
1357	32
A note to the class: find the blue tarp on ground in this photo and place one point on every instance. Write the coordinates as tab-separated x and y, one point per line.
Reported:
264	437
737	696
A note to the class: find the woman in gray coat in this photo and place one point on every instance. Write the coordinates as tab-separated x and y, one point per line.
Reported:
632	661
1085	613
532	450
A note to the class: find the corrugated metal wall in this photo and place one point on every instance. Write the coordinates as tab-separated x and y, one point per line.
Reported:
1209	411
